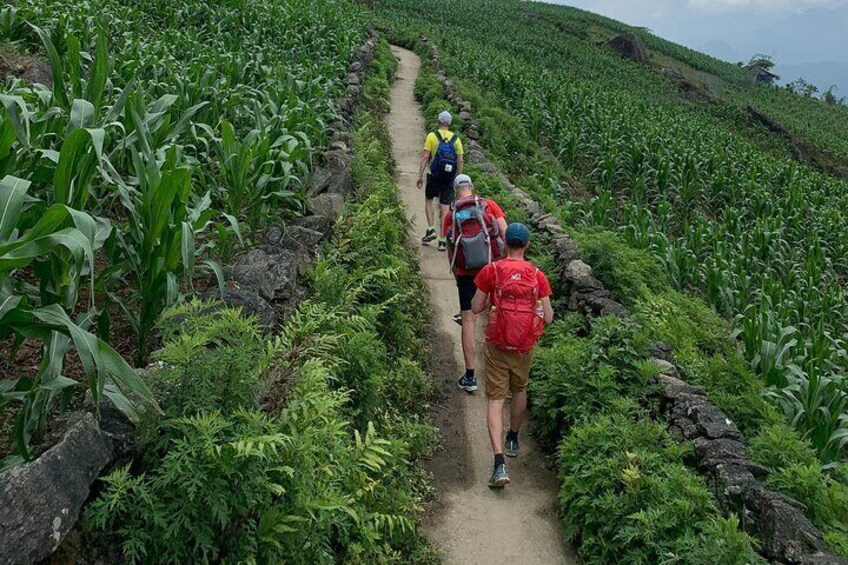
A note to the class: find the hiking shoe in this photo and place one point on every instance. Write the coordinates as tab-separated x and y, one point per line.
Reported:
468	384
511	447
458	318
500	478
429	236
443	245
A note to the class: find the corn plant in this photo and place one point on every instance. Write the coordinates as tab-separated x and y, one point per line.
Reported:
759	234
22	317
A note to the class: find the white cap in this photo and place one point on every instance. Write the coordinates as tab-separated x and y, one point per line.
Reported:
445	118
462	180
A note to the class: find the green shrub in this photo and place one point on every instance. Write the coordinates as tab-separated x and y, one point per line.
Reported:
195	506
214	357
628	497
690	326
629	274
575	379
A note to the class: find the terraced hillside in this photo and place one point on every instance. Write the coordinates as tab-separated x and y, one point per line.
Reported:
215	336
700	202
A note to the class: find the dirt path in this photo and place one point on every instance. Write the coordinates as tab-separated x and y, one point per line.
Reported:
473	524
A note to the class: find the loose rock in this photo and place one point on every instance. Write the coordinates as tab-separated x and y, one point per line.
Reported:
40	501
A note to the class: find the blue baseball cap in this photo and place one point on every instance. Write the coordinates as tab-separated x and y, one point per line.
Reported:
517	235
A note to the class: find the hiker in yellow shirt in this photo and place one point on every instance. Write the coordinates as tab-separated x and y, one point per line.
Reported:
444	153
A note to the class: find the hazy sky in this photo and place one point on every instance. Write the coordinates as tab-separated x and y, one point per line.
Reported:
806	37
797	31
667	15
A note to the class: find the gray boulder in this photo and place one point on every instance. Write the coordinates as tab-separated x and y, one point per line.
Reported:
41	500
273	276
315	222
577	269
327	205
785	533
341	172
630	47
251	304
319	182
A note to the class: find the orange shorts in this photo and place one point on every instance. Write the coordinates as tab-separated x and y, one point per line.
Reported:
506	371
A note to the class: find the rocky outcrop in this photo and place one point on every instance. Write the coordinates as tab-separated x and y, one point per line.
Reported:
630	47
720	454
263	282
40	501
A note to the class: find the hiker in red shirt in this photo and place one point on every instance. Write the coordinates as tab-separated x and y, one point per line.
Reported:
519	296
473	227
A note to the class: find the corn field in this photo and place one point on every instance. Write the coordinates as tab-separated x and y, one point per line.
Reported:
170	133
761	236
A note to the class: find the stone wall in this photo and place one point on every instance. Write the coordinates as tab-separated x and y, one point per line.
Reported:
263	281
786	534
41	501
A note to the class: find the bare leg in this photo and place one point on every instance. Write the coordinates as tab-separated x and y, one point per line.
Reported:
519	406
428	211
468	338
443	210
494	417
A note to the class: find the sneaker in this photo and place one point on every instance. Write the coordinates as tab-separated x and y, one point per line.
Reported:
500	478
443	245
458	318
429	236
468	384
511	447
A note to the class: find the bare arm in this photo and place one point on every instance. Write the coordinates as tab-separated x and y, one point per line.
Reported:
481	301
546	306
425	158
502	226
460	165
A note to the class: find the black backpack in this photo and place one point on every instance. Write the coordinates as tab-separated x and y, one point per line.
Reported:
443	164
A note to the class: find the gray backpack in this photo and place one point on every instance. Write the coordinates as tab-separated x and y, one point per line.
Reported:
474	240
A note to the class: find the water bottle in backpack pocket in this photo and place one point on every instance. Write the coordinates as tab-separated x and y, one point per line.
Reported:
444	163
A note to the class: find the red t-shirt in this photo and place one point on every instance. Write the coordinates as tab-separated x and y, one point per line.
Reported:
485	281
491	208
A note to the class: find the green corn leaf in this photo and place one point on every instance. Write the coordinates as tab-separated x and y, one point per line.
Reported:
74	65
96	85
13	106
81	153
12	193
118	107
82	114
59	93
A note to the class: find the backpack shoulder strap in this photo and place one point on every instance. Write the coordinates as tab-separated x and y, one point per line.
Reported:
439	136
453	139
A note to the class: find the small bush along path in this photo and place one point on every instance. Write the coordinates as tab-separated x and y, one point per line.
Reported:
473	524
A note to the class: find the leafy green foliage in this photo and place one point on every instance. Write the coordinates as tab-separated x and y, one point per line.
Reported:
328	474
629	274
692	183
628	497
66	256
165	123
213	359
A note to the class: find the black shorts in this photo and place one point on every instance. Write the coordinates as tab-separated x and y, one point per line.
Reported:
441	190
467	290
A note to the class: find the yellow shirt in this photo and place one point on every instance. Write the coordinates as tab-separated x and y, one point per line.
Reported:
431	144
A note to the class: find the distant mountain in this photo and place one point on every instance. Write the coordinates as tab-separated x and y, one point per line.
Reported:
721	50
822	74
816	35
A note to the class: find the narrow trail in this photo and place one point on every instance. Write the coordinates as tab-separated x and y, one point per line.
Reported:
473	524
